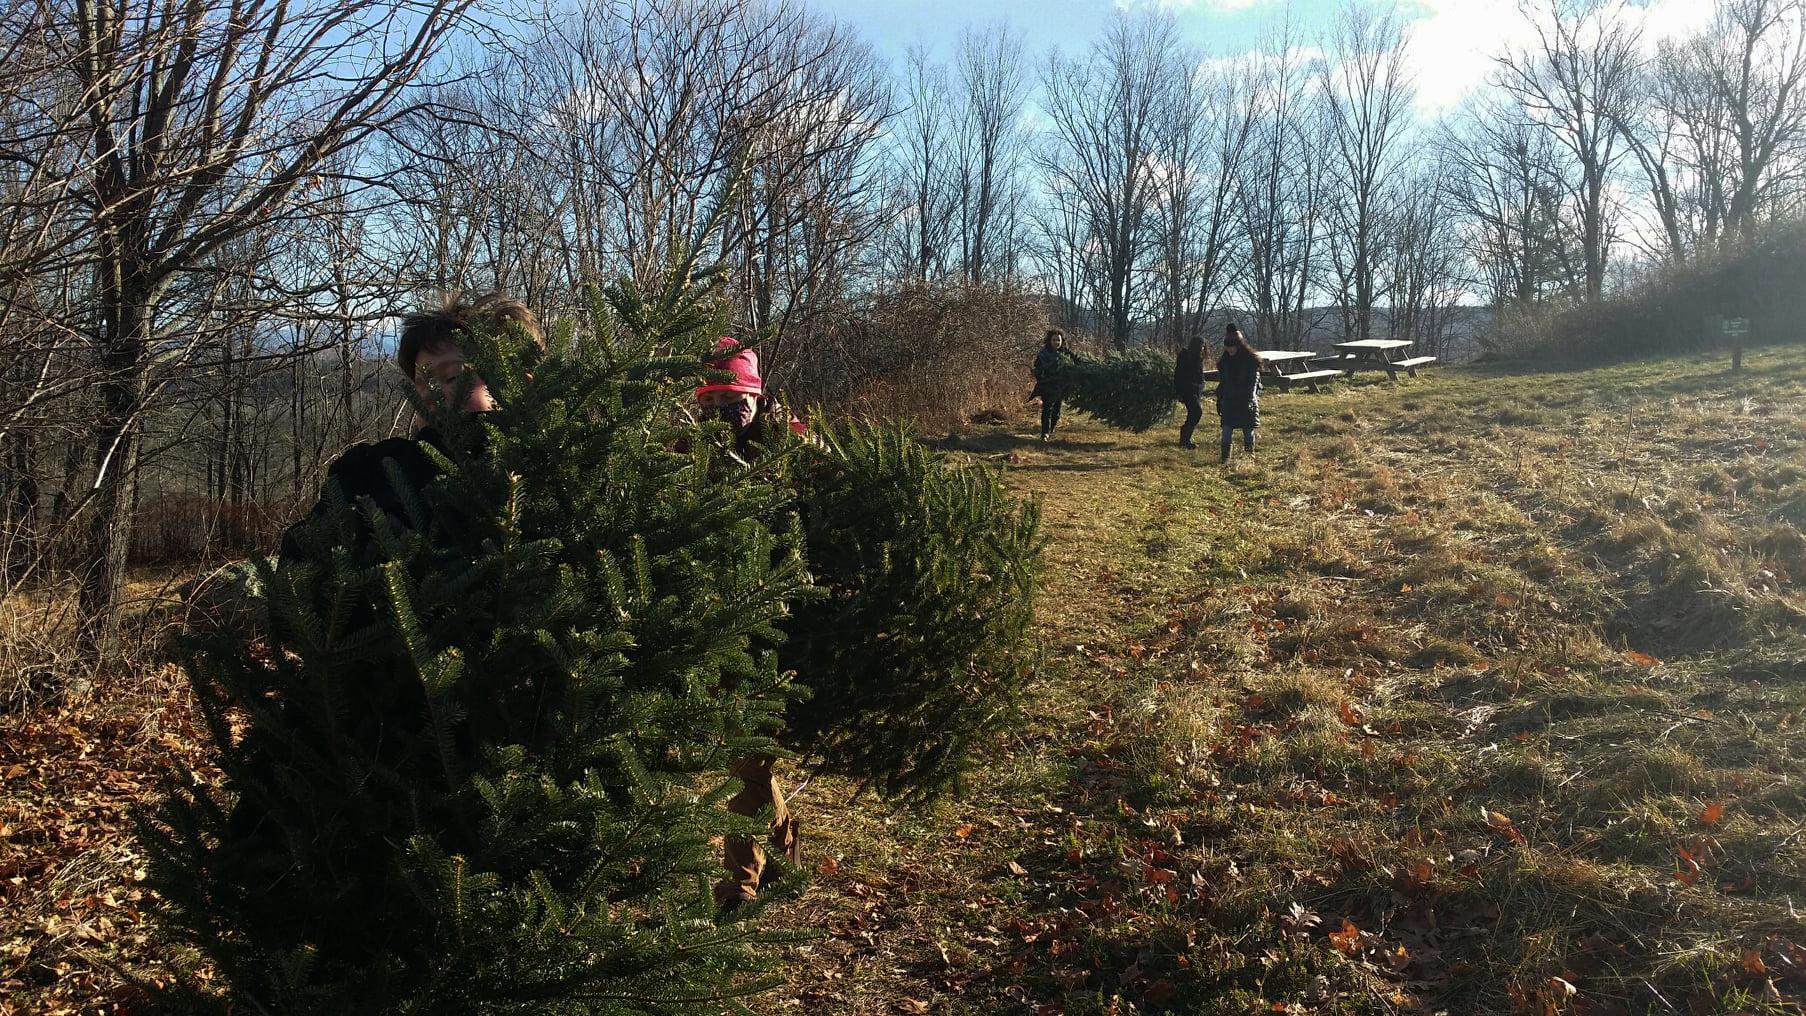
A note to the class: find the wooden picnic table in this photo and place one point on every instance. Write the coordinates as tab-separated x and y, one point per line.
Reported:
1375	354
1282	365
1285	364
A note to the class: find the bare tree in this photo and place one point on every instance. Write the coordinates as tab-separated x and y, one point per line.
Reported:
1367	98
923	166
1659	129
1204	133
993	90
1424	261
1577	81
178	130
1721	130
1067	258
1103	109
651	110
1280	194
1501	184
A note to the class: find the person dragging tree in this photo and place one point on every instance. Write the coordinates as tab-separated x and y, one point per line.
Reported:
1238	390
1188	387
756	419
1048	388
430	358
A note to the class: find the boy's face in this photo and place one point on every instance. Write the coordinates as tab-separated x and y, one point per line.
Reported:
442	368
735	408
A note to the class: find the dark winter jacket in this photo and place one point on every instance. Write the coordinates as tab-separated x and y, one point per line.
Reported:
1238	390
1047	364
360	473
1188	375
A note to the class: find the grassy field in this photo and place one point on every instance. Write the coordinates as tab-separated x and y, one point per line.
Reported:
1475	693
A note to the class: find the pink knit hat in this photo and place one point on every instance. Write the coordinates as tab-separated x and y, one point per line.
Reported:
742	363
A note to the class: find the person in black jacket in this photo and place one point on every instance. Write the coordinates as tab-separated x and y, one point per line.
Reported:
1047	386
1188	387
1238	389
429	356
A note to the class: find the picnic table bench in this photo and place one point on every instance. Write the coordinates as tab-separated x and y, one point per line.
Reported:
1374	354
1282	367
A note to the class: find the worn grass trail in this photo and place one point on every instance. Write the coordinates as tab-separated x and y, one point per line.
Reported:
1479	693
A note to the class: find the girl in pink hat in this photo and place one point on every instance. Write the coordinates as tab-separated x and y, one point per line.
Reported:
742	404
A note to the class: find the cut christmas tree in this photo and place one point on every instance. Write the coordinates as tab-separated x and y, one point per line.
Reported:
476	761
1131	391
915	653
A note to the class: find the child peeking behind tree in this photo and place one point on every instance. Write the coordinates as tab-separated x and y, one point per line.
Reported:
755	419
431	359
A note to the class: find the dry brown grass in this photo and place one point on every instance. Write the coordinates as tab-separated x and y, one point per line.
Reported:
1514	713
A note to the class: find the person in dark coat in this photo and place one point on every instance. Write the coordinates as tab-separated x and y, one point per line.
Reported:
1238	390
1047	388
1188	388
429	356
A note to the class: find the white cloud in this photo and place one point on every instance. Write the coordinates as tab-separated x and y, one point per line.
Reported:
1454	42
1255	62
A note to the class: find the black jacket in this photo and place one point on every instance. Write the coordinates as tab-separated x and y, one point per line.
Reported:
1238	390
360	473
1047	365
1188	373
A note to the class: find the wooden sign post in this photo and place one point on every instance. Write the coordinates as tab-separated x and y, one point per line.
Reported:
1735	331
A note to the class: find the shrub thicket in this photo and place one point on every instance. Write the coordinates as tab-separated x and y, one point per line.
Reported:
934	355
1674	308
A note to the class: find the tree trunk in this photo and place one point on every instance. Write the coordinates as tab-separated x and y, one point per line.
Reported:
218	483
21	508
347	380
297	415
101	568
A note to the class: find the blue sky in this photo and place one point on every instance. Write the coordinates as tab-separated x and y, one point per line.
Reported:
1231	26
1450	50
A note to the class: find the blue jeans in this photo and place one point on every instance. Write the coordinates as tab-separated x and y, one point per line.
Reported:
1229	435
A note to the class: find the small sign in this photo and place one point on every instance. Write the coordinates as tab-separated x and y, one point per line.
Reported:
1736	326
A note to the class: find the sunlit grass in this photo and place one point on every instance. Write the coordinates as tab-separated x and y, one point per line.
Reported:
1496	675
